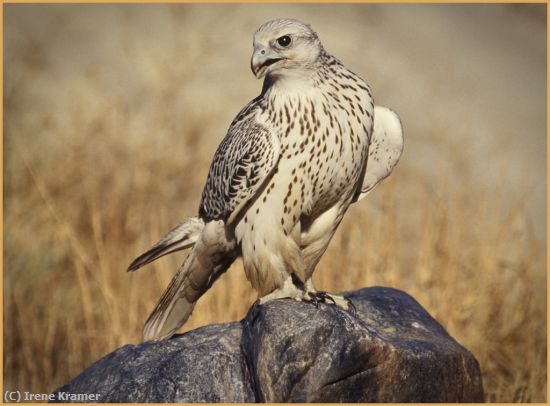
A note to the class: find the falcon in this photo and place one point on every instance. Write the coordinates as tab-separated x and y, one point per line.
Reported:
293	160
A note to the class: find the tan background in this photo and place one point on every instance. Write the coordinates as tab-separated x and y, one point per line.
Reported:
112	114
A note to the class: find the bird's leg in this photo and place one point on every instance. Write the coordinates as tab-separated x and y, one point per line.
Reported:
288	291
309	286
311	293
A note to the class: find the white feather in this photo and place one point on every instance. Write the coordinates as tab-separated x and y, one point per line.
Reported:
385	148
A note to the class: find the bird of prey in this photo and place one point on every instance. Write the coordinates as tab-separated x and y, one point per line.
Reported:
293	160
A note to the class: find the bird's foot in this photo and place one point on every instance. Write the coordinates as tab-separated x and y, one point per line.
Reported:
307	294
287	291
317	297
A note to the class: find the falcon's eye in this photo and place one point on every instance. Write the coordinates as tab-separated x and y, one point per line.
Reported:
283	41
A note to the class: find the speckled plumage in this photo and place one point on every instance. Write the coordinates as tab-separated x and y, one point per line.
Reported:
292	162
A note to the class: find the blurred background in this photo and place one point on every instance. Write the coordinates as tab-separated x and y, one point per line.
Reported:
112	114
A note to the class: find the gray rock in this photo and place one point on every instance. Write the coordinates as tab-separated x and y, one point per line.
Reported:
204	365
390	350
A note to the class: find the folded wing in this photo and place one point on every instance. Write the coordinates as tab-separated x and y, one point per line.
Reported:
384	151
243	163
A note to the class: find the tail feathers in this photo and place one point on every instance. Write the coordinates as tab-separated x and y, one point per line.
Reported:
181	237
210	258
174	308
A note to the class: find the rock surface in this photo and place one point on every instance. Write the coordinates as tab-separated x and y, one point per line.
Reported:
390	350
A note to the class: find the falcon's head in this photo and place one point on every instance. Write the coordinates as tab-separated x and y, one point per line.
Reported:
284	45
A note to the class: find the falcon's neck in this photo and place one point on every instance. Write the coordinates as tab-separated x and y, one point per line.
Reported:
293	82
300	81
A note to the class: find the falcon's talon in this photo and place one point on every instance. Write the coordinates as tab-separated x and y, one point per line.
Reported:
330	299
254	310
311	298
351	307
324	296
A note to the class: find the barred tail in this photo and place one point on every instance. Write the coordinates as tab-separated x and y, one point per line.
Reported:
210	258
174	307
181	237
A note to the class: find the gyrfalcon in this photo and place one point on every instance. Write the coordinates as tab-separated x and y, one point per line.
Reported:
292	162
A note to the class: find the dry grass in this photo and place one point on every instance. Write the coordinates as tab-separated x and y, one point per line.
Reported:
98	168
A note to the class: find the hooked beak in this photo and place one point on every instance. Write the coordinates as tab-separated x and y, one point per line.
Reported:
262	59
